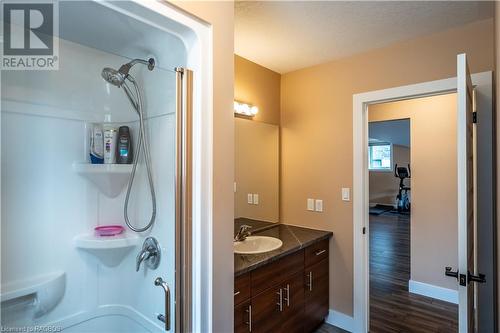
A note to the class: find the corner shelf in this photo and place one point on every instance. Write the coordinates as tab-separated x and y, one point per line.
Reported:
110	250
110	179
92	242
47	290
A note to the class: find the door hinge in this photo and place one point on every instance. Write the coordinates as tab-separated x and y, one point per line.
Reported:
474	117
364	230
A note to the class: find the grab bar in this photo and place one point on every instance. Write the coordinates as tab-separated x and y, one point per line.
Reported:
164	318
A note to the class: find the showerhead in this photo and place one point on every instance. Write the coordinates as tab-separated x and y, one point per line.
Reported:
117	77
113	76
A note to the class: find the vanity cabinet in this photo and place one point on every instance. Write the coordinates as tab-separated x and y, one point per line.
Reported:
289	295
316	276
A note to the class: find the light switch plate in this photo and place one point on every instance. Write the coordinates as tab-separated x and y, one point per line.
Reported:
346	194
319	205
310	204
250	198
255	199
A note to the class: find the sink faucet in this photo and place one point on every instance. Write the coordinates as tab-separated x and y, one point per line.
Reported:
243	233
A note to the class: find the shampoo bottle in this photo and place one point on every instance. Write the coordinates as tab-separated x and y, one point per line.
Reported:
110	138
124	153
96	145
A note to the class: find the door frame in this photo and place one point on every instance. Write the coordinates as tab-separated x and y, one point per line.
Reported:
360	175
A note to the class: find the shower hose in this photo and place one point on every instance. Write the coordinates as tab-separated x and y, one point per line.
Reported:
142	144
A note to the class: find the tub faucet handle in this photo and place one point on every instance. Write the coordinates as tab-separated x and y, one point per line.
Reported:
150	254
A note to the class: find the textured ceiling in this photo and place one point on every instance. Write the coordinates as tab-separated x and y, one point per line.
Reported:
288	35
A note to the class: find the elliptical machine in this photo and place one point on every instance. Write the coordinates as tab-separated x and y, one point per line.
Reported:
402	199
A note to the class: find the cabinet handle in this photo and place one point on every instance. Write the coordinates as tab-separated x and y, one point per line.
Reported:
249	322
287	298
319	252
310	278
237	293
280	303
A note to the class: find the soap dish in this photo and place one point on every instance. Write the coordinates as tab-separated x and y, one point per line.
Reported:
108	230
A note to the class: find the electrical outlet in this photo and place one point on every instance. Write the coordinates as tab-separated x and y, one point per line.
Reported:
346	194
318	205
310	204
255	199
250	198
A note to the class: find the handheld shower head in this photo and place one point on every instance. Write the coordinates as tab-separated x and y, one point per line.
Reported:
117	77
113	76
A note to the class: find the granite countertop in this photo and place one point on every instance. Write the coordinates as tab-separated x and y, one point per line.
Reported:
293	238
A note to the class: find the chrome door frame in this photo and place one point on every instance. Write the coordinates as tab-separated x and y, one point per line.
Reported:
183	200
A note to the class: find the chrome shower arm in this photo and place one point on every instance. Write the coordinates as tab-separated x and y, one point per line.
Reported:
124	69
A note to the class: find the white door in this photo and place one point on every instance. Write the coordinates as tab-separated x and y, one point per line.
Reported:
465	189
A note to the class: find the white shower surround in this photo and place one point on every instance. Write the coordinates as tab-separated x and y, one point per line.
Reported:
103	297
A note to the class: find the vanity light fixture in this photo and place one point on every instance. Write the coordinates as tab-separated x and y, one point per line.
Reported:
245	109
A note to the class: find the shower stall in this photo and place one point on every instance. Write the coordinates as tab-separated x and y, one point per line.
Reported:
56	272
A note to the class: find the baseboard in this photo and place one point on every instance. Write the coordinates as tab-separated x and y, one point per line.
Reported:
340	320
429	290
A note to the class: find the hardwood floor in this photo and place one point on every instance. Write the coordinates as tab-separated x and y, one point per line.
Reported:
327	328
392	307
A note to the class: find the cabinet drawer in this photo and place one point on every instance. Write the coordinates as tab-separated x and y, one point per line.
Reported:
241	288
316	252
274	273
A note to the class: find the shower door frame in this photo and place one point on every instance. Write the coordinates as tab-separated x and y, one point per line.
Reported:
183	200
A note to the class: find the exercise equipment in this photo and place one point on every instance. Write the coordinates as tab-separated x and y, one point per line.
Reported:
403	198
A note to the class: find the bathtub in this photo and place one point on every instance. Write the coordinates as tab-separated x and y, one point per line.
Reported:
108	319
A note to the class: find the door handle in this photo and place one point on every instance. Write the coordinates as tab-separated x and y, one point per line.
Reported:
480	278
164	318
280	303
449	272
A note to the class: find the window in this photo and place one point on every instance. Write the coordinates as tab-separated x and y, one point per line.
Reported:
380	156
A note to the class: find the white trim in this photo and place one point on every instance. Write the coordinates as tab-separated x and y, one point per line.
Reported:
429	290
360	176
340	320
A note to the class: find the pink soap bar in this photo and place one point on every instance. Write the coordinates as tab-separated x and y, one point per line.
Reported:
108	230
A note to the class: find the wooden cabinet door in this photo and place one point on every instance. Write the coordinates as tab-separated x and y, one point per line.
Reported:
242	318
266	313
293	304
316	295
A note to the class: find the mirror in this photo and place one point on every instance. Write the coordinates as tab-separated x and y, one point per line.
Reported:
256	184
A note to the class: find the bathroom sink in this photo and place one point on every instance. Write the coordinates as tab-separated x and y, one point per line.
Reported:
257	244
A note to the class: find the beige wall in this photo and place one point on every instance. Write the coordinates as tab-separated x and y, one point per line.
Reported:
220	15
383	185
256	169
259	86
433	225
316	120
